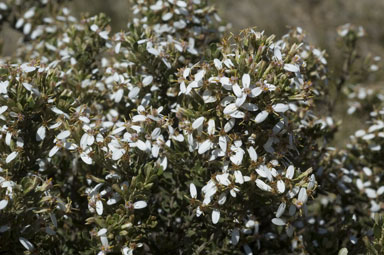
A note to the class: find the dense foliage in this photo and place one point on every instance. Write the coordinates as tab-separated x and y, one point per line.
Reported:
177	137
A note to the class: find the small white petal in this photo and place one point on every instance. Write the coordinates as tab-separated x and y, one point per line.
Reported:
3	108
27	86
302	197
231	108
280	107
249	107
235	236
64	134
192	190
3	204
40	134
53	151
222	199
290	172
11	157
281	209
215	216
247	250
263	186
225	81
252	154
99	207
371	193
147	80
291	68
94	27
141	145
140	204
167	16
261	116
256	92
223	143
241	100
200	75
117	48
8	138
237	158
198	211
246	80
198	123
211	127
27	244
86	158
223	179
237	90
280	186
229	125
104	241
186	72
237	115
278	222
102	232
218	64
239	177
205	146
277	54
117	154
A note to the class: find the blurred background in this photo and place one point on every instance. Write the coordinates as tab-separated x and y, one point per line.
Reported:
319	18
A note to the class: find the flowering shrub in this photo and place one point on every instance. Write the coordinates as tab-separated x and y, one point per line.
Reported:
174	137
